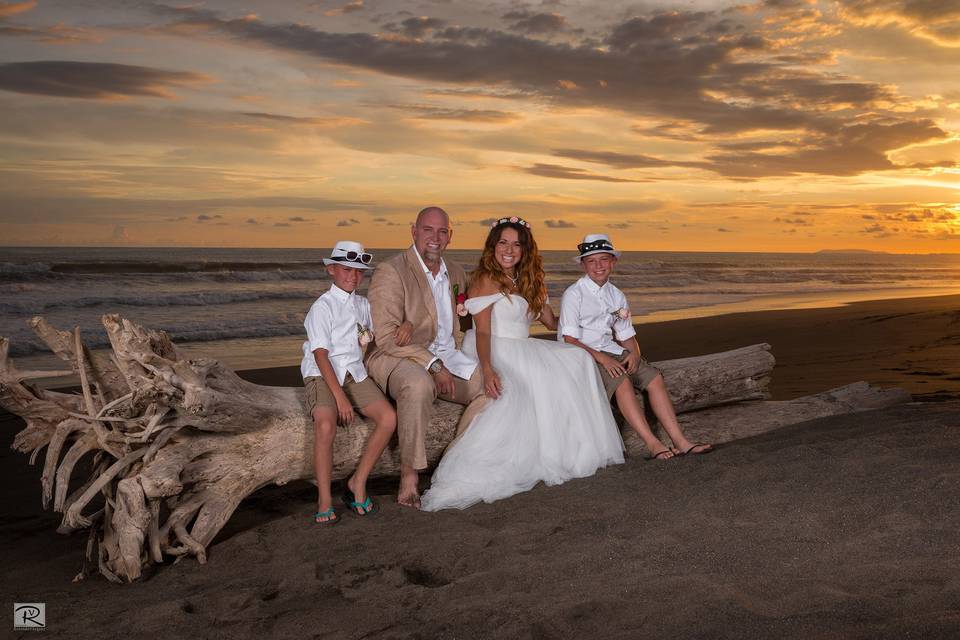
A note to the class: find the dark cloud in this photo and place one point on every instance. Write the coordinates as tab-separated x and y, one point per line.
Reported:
428	112
850	150
569	173
724	230
92	80
204	217
667	64
279	117
299	219
612	159
535	23
618	225
559	224
252	221
487	222
877	230
350	7
348	222
417	26
800	222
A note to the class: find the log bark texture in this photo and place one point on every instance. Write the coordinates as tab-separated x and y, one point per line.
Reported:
176	444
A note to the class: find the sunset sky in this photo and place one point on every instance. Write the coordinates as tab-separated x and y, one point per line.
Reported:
701	125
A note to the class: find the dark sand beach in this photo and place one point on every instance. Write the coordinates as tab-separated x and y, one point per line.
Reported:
843	527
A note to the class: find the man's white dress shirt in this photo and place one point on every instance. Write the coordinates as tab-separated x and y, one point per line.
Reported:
444	346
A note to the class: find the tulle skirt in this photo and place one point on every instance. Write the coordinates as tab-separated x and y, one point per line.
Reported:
551	423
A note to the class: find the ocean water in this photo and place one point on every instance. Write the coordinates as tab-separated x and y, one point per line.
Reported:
246	306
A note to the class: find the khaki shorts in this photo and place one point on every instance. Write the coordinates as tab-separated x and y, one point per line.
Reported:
362	394
642	377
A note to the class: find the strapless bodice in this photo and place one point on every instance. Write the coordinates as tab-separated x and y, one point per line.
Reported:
510	317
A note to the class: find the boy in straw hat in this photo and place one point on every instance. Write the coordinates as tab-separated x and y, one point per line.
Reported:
594	316
338	331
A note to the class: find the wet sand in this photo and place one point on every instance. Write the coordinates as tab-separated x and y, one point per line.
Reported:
842	527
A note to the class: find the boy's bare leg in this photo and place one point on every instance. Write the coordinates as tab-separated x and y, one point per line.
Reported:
385	419
324	430
633	413
663	409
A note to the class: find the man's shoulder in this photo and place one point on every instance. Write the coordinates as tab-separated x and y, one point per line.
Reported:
391	266
454	270
394	261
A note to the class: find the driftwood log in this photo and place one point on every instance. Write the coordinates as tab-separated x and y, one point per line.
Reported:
174	445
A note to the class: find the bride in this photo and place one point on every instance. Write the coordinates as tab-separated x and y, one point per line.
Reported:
548	419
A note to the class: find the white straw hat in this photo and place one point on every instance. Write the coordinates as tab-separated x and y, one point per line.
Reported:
349	254
595	243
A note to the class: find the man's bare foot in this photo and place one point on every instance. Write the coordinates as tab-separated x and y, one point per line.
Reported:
411	500
408	495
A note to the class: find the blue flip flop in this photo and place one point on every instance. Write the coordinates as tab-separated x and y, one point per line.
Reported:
369	506
330	514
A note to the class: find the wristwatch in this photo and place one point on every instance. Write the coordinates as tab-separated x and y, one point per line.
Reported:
436	366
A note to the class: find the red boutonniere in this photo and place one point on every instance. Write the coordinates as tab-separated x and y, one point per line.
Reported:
461	299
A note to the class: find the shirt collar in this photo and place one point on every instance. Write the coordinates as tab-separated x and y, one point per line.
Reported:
339	294
592	286
426	270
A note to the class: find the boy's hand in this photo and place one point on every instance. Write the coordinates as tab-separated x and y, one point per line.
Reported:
344	410
404	333
610	364
631	362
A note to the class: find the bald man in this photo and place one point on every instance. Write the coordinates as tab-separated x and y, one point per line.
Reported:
418	286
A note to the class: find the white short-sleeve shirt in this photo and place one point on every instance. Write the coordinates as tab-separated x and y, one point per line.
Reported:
331	324
587	314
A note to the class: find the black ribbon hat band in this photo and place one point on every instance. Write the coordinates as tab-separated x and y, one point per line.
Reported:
596	245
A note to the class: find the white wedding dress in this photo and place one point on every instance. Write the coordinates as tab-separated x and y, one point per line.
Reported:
551	423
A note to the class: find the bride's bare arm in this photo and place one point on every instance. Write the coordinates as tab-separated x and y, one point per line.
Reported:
483	321
548	318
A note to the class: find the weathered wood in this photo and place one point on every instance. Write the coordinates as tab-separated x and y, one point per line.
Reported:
182	442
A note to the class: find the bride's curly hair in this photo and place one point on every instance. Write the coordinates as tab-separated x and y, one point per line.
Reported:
530	276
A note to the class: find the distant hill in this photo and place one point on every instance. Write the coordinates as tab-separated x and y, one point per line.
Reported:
849	251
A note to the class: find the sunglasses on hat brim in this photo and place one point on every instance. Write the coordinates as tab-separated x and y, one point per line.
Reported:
354	256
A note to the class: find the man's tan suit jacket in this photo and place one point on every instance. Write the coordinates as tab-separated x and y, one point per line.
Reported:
398	292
